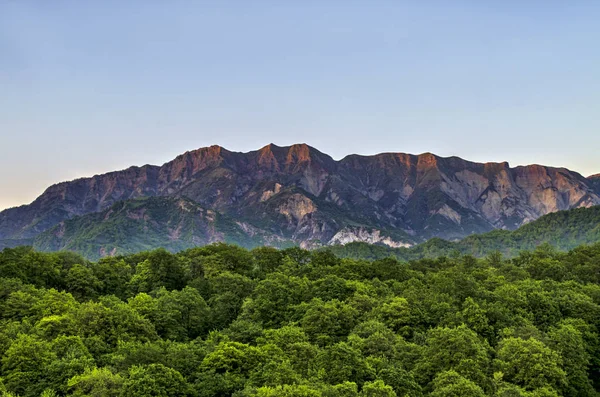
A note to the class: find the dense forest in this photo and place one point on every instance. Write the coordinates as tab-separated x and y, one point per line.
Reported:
225	321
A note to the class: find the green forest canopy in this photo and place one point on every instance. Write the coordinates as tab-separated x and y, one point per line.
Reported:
225	321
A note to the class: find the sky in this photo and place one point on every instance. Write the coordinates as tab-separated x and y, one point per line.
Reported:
88	87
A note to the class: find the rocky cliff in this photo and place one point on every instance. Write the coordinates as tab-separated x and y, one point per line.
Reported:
298	193
594	182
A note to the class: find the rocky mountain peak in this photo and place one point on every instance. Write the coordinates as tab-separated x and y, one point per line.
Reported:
427	160
293	159
299	153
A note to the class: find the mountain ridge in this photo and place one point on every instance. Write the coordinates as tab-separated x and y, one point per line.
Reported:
301	194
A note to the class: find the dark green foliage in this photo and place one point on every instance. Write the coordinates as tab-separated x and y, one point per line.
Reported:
224	321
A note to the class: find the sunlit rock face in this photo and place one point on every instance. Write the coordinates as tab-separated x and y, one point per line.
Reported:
372	236
303	195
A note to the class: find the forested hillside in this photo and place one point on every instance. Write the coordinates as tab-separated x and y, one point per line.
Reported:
133	226
562	230
224	321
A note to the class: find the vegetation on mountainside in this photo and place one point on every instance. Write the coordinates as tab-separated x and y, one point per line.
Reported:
563	230
142	224
224	321
178	223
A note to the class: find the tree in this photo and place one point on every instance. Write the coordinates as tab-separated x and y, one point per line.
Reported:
377	389
275	296
287	391
25	363
82	282
227	368
96	382
340	363
346	389
529	364
267	259
154	380
396	315
115	275
373	338
180	315
71	359
326	322
458	349
452	384
160	269
568	342
476	318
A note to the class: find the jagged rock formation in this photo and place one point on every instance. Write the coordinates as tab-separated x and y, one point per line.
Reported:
298	193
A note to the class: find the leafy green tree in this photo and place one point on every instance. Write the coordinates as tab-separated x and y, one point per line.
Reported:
96	382
287	391
326	322
394	375
232	357
25	363
331	287
267	259
325	258
227	368
20	304
227	294
154	380
180	315
476	318
374	339
529	364
452	384
160	269
71	359
346	389
568	341
102	325
82	282
340	363
53	302
396	315
274	297
377	389
459	349
115	275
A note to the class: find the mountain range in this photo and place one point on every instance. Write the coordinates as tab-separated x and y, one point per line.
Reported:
292	195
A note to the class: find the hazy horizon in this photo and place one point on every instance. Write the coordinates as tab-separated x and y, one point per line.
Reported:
93	87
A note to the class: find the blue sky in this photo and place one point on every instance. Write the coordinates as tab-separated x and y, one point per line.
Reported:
92	86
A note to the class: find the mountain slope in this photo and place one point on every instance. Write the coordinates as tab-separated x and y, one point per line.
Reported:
147	223
594	182
301	194
563	230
